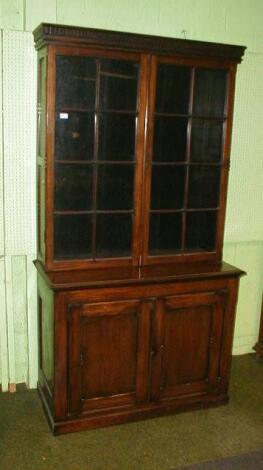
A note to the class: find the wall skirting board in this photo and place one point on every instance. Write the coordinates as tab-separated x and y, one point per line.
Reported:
244	225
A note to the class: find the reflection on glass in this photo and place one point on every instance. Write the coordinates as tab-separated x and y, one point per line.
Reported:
72	236
200	230
173	88
74	138
206	140
167	187
115	186
210	92
204	184
165	233
75	82
169	142
73	187
114	235
125	68
116	137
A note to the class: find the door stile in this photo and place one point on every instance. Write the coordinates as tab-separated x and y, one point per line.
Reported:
143	351
157	348
75	358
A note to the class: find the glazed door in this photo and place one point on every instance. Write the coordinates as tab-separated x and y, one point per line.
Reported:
186	159
95	157
186	343
108	354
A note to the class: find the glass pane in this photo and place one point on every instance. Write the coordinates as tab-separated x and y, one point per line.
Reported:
76	86
74	136
173	89
204	184
165	233
169	144
114	235
206	141
118	93
126	68
72	237
73	187
116	137
115	187
210	92
200	230
167	187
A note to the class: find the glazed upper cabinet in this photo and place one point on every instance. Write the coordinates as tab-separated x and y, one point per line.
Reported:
133	151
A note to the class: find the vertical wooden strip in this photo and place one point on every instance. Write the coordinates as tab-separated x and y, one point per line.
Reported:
32	328
188	156
4	379
50	151
10	323
95	158
60	356
74	347
226	159
228	333
143	352
215	343
139	157
157	349
149	130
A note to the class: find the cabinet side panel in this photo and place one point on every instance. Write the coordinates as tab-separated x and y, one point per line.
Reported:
46	335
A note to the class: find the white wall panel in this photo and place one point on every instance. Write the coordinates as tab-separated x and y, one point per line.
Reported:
19	294
1	154
4	377
12	14
244	219
19	103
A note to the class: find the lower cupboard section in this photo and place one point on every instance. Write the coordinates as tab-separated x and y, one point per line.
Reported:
126	354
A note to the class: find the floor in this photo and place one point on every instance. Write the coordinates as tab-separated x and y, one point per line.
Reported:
157	444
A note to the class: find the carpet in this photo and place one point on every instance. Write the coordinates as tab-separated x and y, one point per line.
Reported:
250	461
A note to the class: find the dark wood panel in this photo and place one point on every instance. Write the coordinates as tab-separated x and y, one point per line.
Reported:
186	330
108	357
187	336
108	348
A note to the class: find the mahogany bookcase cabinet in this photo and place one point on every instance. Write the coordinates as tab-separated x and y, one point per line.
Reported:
136	306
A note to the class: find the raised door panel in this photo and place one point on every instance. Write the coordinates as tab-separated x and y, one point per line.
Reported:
108	355
187	336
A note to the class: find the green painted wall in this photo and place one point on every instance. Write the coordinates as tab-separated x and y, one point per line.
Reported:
230	21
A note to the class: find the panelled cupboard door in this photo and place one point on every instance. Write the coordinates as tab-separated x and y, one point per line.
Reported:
108	354
186	344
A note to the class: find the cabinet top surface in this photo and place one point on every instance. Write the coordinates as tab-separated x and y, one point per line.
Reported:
47	33
132	275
